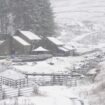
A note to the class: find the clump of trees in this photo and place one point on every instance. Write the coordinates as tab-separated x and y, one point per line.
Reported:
35	15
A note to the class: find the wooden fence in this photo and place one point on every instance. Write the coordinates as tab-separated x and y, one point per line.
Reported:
14	83
54	79
0	88
9	93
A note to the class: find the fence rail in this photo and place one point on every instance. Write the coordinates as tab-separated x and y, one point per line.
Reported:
9	93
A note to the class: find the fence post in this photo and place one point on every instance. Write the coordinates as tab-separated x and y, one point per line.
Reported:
19	94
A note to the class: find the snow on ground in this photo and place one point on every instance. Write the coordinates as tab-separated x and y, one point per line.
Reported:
60	64
57	95
52	95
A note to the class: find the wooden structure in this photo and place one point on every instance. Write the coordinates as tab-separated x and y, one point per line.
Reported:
5	44
20	46
55	46
30	37
10	92
40	50
0	88
13	79
57	78
26	42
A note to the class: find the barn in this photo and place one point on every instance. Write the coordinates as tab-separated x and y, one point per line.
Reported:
30	37
55	46
13	79
40	50
26	42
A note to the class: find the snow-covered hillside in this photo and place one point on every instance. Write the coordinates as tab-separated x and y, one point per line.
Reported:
80	21
79	10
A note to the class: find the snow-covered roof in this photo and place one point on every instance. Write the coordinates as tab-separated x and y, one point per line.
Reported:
63	48
2	41
40	49
30	35
21	41
12	74
69	47
55	41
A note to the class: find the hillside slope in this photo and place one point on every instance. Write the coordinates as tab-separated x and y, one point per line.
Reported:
77	18
79	10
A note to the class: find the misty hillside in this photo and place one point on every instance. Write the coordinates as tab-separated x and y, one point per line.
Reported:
34	15
77	18
79	9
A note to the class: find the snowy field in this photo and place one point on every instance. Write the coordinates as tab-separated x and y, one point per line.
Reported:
79	10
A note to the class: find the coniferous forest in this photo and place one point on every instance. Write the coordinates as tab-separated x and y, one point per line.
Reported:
35	15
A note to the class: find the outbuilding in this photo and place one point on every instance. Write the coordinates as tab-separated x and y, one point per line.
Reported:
55	46
13	79
40	50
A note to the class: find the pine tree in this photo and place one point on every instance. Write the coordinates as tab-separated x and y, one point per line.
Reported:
3	16
33	15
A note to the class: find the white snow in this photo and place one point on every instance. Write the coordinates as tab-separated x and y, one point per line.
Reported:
61	64
41	68
78	38
21	41
63	48
69	47
11	74
2	41
55	95
56	41
92	71
79	9
30	35
40	49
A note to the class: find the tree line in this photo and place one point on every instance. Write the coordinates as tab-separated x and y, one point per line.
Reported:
35	15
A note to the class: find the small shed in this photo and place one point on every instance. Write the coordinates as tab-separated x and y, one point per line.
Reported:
40	50
14	79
